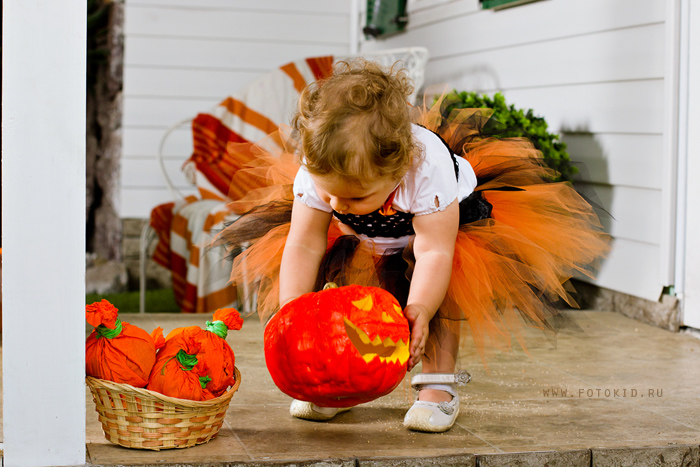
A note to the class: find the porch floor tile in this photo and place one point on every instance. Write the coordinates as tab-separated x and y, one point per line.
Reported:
613	392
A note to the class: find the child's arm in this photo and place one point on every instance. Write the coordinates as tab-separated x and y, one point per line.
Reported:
434	249
303	251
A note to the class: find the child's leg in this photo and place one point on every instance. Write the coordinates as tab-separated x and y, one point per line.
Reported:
440	355
437	407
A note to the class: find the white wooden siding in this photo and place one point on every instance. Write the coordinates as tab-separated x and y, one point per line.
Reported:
183	57
598	71
158	82
310	6
618	159
239	24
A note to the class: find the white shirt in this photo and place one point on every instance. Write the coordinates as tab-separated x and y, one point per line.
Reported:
426	188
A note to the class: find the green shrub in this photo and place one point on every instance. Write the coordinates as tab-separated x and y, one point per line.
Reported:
157	301
507	121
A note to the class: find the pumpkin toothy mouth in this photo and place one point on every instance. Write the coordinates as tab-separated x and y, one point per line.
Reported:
387	350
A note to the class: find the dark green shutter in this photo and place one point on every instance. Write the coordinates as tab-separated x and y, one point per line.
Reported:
385	17
497	4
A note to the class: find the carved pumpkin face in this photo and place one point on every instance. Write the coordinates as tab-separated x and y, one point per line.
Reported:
339	347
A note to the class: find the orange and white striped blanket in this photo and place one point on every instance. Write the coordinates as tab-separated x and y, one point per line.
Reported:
185	229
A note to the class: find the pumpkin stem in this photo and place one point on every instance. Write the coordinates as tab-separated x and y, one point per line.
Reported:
104	331
204	380
186	360
330	285
217	327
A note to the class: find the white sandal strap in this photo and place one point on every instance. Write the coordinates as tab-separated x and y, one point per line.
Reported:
460	378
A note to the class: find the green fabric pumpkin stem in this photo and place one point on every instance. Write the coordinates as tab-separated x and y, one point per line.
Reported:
203	380
218	328
186	360
104	331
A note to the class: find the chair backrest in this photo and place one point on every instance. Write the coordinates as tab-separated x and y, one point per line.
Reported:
414	59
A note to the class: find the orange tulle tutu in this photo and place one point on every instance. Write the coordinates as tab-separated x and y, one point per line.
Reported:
507	267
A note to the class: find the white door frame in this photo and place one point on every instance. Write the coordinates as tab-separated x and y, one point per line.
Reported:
688	252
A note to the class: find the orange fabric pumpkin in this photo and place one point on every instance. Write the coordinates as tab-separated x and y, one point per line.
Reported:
215	352
338	347
179	371
158	339
115	350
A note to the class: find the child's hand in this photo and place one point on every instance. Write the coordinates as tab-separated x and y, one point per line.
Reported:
419	320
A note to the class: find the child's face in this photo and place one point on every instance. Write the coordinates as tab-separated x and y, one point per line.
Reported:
347	197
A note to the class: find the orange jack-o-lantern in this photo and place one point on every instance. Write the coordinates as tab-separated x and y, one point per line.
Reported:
339	347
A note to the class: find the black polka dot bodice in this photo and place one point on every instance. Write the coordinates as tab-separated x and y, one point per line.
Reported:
376	224
395	225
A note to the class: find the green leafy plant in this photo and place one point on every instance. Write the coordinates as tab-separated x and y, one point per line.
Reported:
508	122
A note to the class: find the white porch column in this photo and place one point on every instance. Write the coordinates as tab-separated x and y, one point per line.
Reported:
690	139
43	223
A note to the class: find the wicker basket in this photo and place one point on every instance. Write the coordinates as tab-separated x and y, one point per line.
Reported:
142	419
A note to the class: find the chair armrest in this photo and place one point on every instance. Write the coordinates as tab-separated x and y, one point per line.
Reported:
174	192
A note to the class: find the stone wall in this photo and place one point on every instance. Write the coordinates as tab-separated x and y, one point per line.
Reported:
664	313
104	130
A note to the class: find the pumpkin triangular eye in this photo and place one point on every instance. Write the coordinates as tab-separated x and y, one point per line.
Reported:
364	304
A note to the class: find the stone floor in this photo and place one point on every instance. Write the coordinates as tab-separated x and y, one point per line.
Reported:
617	392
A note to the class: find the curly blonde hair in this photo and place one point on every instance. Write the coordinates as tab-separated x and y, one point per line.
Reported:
355	124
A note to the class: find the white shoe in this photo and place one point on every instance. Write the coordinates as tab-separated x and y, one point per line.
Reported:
435	417
311	411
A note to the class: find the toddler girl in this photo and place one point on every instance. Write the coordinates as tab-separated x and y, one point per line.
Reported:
456	226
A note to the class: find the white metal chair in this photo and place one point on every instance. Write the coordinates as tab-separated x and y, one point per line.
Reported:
414	60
